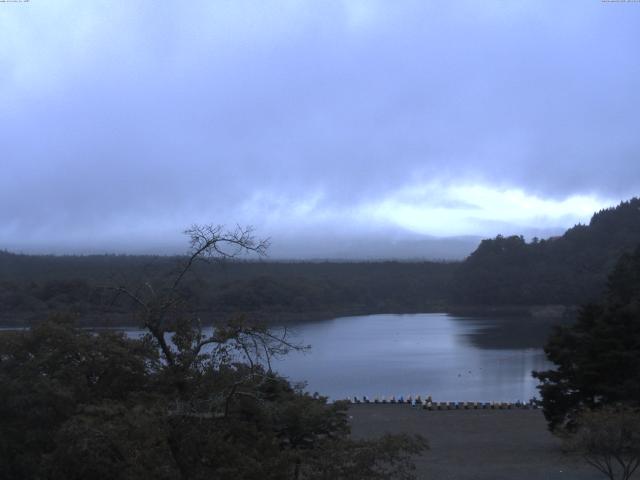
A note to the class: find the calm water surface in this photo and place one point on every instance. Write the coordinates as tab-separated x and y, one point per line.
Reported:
426	354
450	358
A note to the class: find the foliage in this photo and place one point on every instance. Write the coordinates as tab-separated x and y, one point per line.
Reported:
175	404
598	358
81	405
31	286
48	374
570	269
609	440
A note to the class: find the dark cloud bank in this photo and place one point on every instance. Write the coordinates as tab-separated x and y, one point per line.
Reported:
312	121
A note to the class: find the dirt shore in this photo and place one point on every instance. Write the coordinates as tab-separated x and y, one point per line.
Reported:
476	444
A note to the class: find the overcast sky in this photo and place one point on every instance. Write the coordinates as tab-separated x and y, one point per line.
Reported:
122	123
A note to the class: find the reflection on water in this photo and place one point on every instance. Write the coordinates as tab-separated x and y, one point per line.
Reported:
450	358
426	354
511	332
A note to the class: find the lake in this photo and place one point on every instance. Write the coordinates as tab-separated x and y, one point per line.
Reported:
450	358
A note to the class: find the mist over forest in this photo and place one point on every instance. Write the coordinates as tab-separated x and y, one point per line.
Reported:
506	271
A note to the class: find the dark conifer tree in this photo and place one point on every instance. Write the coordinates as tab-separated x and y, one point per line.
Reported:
598	358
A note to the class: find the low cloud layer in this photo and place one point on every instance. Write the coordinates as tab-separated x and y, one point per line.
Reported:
122	123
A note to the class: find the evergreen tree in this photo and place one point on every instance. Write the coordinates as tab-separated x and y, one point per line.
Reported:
598	358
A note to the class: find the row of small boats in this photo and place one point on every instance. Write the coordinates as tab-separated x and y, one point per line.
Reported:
427	403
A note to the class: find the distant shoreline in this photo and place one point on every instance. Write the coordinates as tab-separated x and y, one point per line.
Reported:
533	311
283	318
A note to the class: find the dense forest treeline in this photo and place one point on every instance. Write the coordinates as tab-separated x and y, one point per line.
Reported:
32	285
569	270
566	270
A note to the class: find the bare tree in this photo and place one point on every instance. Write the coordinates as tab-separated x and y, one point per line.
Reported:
609	440
160	305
